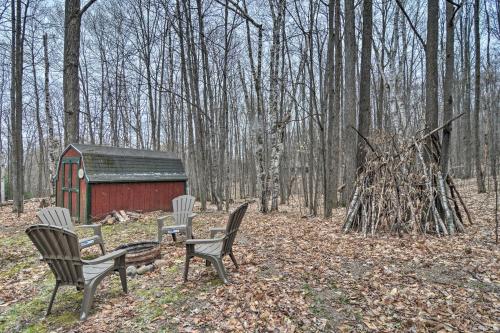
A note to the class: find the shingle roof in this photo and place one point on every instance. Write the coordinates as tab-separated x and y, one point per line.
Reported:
104	164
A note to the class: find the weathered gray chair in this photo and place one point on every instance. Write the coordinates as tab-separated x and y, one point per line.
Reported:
57	216
182	215
60	250
213	250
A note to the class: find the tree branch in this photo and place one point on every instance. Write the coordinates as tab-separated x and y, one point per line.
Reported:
458	6
411	24
87	5
455	4
366	140
240	11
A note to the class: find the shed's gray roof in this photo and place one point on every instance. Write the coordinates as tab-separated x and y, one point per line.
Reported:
104	164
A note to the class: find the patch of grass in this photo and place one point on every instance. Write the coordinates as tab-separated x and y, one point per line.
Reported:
322	301
17	247
10	270
171	295
18	239
155	299
343	299
314	297
65	311
13	319
65	319
174	269
483	286
35	328
215	282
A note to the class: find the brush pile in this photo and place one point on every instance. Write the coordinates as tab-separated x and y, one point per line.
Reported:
401	189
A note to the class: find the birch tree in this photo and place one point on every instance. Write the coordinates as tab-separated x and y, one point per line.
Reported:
278	124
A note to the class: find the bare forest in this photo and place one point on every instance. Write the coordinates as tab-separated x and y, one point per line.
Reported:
344	123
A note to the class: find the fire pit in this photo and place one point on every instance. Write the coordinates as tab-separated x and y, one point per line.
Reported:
141	253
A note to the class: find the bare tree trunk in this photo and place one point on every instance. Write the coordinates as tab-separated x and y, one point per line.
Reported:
186	88
467	141
18	23
223	119
364	81
394	80
14	168
84	76
71	84
277	126
350	101
337	95
333	81
448	87
216	170
159	108
313	166
2	160
330	111
258	124
431	67
477	95
199	118
382	82
41	146
53	144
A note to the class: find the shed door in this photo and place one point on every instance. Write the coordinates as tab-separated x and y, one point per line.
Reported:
71	185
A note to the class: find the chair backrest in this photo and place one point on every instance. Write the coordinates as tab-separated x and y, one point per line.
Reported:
56	216
60	250
232	227
183	207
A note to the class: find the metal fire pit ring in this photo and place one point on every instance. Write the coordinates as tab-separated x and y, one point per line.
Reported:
141	253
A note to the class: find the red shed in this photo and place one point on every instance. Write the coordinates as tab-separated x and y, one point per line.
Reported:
92	181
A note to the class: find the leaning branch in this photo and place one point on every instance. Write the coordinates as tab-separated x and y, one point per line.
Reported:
240	11
457	8
87	5
411	24
437	129
365	139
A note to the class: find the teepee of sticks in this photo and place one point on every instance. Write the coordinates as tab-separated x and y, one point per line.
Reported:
401	189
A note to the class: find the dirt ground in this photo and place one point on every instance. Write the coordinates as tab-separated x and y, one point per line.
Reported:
297	274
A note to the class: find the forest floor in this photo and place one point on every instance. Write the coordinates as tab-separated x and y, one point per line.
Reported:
296	274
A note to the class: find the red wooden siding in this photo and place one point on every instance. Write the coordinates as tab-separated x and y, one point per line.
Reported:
83	200
147	197
74	195
71	153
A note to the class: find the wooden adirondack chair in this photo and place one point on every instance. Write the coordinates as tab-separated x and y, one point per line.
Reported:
57	216
213	250
60	250
182	215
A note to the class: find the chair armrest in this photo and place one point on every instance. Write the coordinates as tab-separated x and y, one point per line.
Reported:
106	257
161	220
95	227
215	231
178	226
203	241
